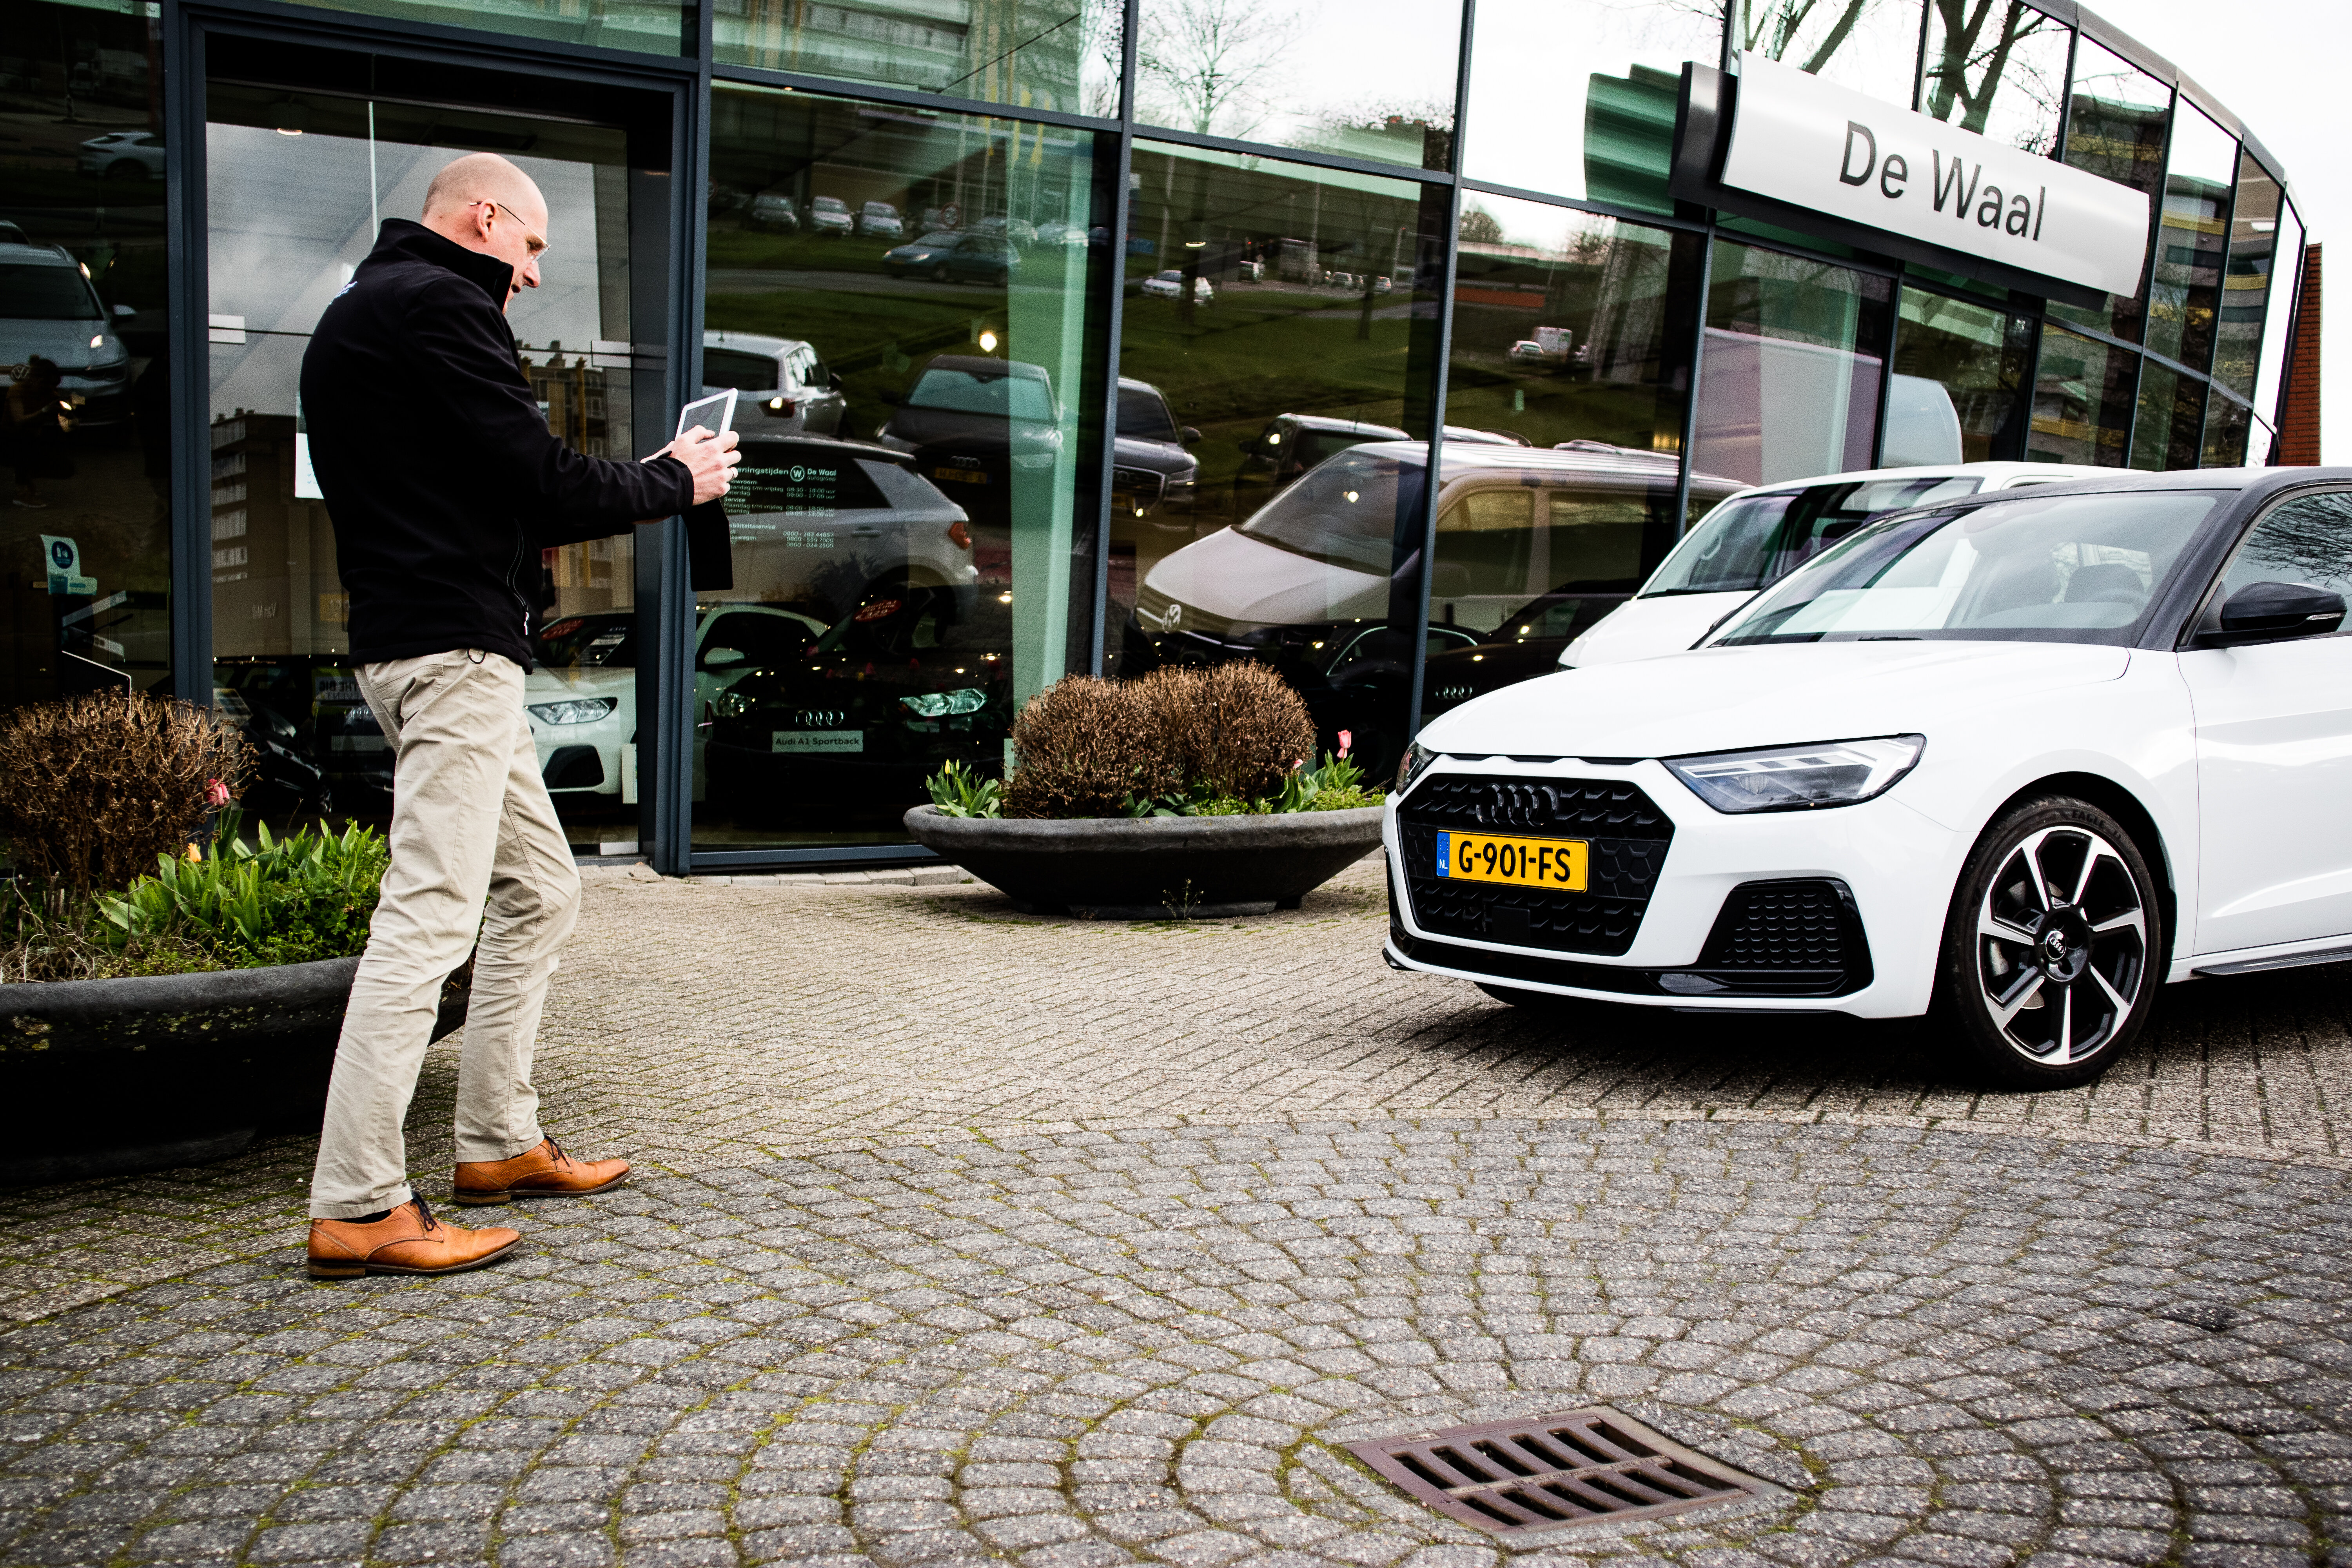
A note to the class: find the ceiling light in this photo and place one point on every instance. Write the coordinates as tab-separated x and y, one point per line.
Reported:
988	343
289	118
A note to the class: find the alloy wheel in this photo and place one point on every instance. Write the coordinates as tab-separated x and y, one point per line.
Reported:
2062	941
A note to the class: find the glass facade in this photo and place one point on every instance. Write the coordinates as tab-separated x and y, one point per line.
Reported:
1061	347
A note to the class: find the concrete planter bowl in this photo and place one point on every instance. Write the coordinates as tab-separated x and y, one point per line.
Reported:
1153	868
104	1077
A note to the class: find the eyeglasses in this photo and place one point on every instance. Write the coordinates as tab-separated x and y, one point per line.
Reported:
532	242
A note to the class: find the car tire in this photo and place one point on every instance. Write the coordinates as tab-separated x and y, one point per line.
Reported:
126	169
2053	947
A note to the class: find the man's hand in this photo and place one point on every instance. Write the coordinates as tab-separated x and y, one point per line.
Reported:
711	460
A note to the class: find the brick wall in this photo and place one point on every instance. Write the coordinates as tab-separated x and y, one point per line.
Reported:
2298	443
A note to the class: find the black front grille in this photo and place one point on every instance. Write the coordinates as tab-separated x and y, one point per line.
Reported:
1628	837
1797	938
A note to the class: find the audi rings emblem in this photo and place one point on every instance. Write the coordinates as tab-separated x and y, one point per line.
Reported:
819	717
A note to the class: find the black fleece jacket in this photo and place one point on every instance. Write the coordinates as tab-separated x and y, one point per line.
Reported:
438	467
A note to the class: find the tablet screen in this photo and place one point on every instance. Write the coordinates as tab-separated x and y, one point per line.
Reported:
714	413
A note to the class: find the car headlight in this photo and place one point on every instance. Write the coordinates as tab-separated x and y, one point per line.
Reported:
1032	460
939	704
575	711
1797	778
1417	758
731	704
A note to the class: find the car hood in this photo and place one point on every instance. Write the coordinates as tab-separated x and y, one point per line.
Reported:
980	433
1727	699
544	685
67	344
1159	457
1247	582
1645	628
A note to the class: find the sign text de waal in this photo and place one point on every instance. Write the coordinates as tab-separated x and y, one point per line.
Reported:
1800	140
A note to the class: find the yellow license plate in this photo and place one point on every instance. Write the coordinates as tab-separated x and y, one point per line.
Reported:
1560	863
962	476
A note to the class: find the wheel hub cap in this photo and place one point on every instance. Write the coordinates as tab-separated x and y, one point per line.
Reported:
2065	944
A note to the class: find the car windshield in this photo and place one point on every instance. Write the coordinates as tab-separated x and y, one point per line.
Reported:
829	205
1142	416
1346	513
965	392
1748	544
590	642
33	293
2072	568
940	236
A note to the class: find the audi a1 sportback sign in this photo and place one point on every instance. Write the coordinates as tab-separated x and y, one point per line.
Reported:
1776	139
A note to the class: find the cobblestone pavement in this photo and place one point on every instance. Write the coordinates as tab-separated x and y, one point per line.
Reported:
965	1233
1081	1349
697	1025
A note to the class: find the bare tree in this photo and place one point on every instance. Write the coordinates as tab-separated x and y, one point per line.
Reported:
1211	58
1965	50
1100	23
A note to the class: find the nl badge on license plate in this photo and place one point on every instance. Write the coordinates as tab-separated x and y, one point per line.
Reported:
1560	863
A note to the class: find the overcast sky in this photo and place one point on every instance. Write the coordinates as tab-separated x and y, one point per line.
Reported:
2278	66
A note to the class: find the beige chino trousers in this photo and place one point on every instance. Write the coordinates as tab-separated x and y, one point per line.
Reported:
471	821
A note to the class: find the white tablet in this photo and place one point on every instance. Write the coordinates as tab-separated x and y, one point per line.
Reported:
715	413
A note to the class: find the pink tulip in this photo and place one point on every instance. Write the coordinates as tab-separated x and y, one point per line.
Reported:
1346	738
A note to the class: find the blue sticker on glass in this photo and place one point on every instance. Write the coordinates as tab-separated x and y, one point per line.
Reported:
1445	854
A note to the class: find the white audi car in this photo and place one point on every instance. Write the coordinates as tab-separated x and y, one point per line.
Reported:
2012	762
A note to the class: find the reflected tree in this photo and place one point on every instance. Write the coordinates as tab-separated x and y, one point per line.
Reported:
2310	541
1212	61
1971	61
1775	28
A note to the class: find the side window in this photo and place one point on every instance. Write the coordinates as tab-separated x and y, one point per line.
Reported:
1596	543
765	641
1483	565
2307	539
799	481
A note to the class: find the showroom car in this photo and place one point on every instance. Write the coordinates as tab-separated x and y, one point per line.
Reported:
581	695
124	155
2013	761
1760	535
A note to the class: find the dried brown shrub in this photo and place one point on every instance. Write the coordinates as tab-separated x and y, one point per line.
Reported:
92	789
1238	728
1081	746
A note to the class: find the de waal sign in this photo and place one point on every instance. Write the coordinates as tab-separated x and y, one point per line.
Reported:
1934	193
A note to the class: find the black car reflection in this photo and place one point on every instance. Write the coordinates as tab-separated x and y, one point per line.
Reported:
978	428
869	710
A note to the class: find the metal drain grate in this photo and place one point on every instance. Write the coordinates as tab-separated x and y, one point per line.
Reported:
1515	1477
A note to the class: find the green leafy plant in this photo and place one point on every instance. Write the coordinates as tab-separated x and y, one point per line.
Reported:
1336	785
958	791
282	901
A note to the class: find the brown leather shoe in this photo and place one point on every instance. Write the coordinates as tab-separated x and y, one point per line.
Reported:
546	1171
408	1240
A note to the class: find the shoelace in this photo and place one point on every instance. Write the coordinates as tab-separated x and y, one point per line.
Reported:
425	1214
555	1152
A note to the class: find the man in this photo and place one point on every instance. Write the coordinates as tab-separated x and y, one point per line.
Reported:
444	484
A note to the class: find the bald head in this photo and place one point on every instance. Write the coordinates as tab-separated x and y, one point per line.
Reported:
484	203
483	177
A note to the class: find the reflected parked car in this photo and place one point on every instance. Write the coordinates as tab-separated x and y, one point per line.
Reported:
831	214
1169	285
1154	477
48	308
881	220
1760	535
928	255
1290	445
976	426
785	385
124	155
773	210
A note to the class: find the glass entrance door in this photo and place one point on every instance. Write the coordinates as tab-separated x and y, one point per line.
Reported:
298	182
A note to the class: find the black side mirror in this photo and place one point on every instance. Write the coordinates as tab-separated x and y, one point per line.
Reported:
2265	610
1188	435
893	396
